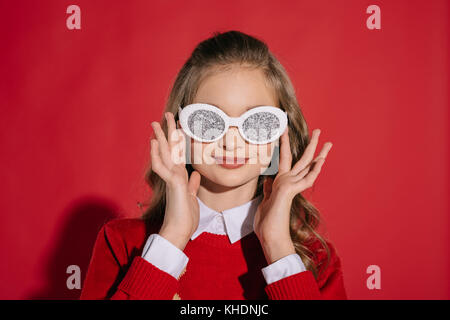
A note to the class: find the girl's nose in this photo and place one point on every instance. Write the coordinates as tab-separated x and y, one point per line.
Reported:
231	140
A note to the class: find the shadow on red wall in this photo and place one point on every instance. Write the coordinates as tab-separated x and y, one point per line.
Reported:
74	246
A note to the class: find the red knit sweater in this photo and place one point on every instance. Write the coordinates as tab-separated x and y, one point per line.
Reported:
216	269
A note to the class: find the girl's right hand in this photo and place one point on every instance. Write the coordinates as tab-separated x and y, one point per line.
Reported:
169	162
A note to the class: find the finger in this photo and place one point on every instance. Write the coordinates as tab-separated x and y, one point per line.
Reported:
194	183
306	170
163	146
325	149
308	154
175	140
323	154
285	153
156	163
179	148
171	127
310	178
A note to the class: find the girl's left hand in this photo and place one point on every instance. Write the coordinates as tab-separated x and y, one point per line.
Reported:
272	217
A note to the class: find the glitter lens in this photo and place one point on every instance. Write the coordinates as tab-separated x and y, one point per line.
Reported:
205	124
261	126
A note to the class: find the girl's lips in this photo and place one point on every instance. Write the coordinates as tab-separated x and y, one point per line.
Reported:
230	162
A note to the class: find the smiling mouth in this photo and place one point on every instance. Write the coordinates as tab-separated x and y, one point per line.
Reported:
231	160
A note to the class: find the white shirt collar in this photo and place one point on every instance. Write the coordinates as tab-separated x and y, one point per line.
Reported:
238	220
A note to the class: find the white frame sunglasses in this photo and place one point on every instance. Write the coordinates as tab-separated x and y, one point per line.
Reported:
187	111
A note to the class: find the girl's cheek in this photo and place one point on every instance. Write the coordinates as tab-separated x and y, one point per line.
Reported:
203	152
265	153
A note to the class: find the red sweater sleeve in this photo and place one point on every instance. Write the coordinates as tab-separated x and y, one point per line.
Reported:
303	286
112	274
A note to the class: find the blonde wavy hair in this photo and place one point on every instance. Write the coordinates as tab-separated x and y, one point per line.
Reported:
219	52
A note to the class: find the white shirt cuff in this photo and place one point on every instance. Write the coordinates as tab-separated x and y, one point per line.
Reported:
282	268
164	255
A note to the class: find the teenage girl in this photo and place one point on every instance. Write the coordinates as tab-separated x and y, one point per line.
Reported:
223	229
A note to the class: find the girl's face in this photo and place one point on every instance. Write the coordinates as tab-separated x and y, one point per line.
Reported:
234	91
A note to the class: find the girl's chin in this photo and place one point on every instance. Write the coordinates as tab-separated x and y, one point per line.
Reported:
233	177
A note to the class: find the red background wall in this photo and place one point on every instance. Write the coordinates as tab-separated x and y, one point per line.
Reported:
76	107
